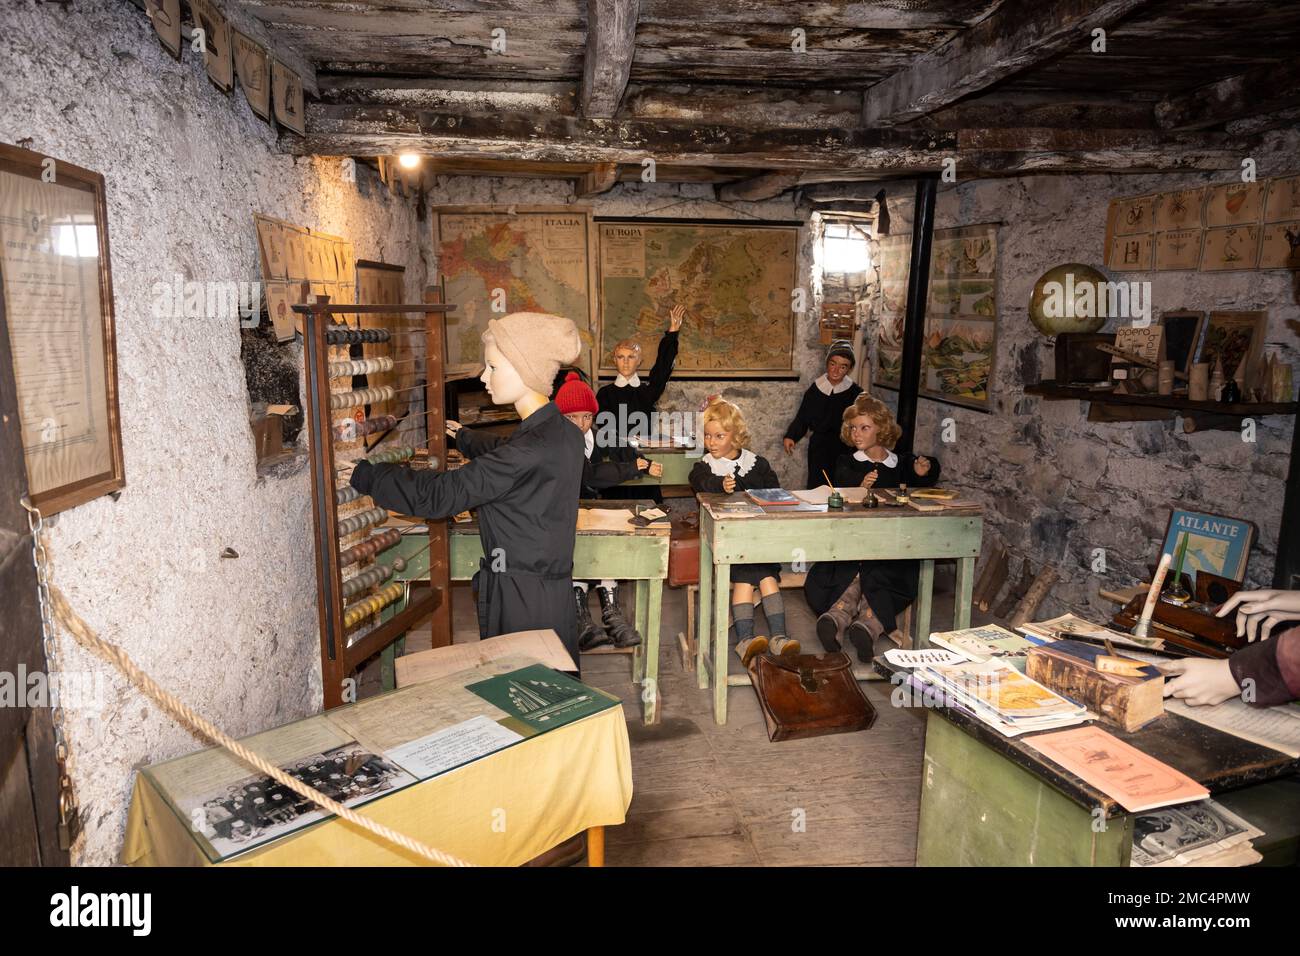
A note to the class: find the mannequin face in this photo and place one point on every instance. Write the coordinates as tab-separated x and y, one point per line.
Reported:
582	419
717	441
865	432
626	360
837	366
502	380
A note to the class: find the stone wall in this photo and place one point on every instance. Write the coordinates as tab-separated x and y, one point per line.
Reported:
186	167
1056	486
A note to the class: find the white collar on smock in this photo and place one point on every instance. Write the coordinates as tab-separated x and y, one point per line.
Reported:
722	467
824	385
634	381
891	460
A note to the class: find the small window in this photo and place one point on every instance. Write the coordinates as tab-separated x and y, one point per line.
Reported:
845	248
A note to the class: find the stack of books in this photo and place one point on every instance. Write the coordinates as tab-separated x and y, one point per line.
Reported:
1002	696
990	642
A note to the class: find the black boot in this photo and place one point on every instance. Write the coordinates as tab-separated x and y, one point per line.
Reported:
622	633
590	634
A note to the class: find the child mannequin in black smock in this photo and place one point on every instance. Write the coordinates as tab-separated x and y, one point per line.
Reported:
861	599
729	467
602	469
821	413
525	487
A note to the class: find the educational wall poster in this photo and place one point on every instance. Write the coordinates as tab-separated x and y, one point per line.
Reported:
894	261
253	67
961	314
1225	227
286	97
216	42
166	18
494	260
297	263
56	296
1215	544
735	279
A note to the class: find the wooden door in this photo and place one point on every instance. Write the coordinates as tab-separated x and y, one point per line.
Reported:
29	796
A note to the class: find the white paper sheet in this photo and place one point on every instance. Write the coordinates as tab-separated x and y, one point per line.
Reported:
446	749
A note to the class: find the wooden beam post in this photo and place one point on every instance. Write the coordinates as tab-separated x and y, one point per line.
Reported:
601	178
611	43
1018	35
918	282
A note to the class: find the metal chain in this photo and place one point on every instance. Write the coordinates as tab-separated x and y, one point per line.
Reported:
69	818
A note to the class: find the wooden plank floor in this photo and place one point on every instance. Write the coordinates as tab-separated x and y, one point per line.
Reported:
726	796
717	796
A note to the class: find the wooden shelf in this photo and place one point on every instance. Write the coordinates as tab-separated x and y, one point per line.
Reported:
1180	403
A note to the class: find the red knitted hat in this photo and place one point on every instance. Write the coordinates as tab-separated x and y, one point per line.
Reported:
575	395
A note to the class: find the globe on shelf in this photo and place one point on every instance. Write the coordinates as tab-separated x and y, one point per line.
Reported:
1069	298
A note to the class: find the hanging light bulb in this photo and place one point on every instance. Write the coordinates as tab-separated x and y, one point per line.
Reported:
409	160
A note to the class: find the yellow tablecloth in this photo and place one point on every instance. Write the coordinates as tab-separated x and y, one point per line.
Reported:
502	810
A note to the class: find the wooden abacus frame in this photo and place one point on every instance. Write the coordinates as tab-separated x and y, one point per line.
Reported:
339	660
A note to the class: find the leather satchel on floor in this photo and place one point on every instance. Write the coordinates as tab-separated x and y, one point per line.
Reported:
809	695
684	550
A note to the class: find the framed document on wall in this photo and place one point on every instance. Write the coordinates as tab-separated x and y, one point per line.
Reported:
57	294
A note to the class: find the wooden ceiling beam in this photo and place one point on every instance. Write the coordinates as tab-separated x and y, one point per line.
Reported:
611	44
1262	90
760	187
1018	35
345	130
367	131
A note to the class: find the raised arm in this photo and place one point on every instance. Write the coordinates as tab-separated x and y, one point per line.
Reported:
662	370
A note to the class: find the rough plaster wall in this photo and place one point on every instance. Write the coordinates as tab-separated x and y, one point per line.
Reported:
1057	486
186	167
768	406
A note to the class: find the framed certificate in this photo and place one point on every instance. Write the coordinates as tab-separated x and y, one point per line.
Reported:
56	293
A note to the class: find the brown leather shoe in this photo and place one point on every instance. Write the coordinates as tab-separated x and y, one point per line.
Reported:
832	625
864	630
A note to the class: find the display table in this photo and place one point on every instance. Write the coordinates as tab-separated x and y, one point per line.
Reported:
990	800
855	534
639	555
502	809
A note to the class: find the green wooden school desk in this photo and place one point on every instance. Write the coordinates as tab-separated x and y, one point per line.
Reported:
854	534
990	800
639	555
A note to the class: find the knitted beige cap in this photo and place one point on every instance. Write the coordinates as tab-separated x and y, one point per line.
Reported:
537	345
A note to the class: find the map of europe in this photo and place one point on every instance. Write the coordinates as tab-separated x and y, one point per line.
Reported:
734	280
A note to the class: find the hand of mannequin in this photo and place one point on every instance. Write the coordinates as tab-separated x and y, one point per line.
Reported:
504	384
1258	611
1199	682
452	428
675	318
788	444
